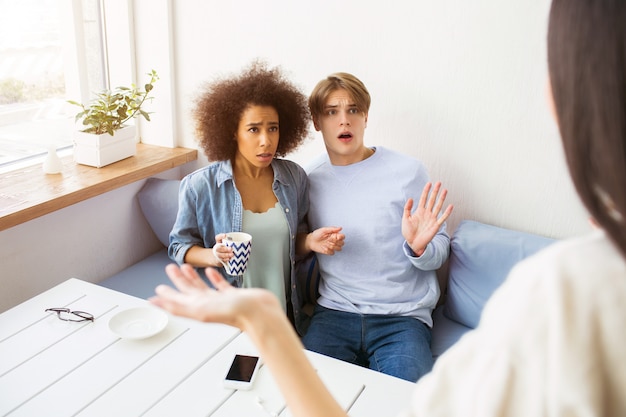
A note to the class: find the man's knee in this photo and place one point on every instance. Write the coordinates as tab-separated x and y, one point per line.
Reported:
409	367
402	350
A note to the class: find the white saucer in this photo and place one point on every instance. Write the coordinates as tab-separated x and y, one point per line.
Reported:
138	323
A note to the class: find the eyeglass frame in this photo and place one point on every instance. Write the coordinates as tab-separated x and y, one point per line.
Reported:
84	316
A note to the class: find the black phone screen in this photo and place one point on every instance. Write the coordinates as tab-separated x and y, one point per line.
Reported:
242	368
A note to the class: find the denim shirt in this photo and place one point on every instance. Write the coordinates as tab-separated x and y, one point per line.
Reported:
210	204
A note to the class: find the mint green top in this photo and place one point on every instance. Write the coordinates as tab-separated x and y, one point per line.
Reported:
268	266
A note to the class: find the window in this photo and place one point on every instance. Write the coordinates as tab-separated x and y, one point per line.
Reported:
50	51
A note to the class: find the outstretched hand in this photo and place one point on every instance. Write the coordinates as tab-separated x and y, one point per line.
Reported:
326	240
258	313
421	226
196	300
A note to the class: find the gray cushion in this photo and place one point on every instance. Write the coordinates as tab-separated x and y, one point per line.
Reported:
481	257
445	332
141	278
158	199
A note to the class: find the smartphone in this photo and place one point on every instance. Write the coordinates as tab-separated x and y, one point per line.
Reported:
242	372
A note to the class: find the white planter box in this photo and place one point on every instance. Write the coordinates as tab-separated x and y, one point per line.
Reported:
100	150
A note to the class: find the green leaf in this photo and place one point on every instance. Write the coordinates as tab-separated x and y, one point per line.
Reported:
145	115
109	110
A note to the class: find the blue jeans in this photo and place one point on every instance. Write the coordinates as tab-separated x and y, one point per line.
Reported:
394	345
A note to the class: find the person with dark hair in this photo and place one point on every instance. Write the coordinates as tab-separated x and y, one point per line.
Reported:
550	341
244	124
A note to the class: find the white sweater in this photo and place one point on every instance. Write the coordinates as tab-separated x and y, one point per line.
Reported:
551	342
375	272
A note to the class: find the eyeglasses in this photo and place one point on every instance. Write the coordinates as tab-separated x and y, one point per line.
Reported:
66	314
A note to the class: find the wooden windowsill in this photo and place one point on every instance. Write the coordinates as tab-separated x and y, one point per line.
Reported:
28	193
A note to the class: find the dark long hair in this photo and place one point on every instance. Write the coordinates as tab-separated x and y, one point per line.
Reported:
587	63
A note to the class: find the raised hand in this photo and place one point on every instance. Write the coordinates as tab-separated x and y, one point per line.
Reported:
419	227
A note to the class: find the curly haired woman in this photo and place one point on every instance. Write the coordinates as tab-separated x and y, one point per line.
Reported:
244	124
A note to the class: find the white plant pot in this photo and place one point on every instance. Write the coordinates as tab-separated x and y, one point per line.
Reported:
100	150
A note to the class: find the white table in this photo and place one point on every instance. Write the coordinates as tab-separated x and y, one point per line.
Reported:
50	367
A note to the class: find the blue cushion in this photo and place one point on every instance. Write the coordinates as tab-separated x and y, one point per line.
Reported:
158	199
481	257
445	332
141	278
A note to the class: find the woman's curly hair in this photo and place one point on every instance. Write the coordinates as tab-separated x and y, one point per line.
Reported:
222	103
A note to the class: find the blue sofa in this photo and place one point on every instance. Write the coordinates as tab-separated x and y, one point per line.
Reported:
481	256
158	200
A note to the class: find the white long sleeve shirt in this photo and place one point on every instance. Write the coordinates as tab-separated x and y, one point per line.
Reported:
375	272
551	342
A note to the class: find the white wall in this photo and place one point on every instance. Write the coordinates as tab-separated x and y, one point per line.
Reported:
458	84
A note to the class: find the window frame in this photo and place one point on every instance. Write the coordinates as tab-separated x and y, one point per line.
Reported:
114	58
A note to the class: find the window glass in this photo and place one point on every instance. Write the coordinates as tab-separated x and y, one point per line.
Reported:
36	75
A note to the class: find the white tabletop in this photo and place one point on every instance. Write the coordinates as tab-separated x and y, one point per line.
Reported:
50	367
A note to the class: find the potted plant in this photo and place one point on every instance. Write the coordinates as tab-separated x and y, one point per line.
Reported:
106	138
